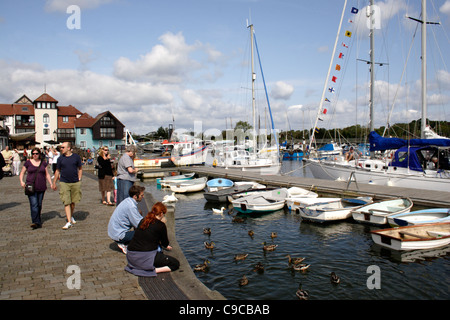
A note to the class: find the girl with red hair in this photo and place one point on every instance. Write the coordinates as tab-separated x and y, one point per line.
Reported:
144	255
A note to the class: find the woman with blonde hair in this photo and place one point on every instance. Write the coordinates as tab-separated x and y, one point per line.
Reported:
144	253
105	175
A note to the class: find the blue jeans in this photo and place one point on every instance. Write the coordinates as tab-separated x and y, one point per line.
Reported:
36	206
123	186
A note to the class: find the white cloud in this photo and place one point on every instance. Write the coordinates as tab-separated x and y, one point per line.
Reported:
168	62
445	8
282	90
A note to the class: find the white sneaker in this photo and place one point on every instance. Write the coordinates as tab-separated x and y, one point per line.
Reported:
123	247
73	221
67	226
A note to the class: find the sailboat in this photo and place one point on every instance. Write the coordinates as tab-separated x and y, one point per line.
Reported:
415	163
267	159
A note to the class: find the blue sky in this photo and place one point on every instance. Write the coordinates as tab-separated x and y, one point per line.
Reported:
151	61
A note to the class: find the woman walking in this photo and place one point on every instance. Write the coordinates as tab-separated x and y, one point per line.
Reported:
105	175
144	255
37	175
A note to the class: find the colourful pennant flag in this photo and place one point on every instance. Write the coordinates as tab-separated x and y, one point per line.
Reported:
327	100
324	111
331	89
316	130
350	20
354	10
348	34
344	45
338	67
334	79
320	120
341	55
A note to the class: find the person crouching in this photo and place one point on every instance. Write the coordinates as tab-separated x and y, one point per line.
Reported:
144	254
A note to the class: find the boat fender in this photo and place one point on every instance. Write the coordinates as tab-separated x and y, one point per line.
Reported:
215	163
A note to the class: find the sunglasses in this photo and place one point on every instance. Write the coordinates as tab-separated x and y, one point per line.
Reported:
34	153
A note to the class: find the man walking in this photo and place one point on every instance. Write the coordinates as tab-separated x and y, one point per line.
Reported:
126	173
69	171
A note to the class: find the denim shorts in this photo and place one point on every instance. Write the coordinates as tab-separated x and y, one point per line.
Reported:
70	192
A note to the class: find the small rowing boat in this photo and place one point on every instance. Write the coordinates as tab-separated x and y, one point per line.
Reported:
422	236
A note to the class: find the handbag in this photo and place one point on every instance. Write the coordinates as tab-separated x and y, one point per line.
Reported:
29	187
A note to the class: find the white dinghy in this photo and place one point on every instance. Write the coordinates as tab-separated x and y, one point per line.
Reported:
377	213
432	215
422	236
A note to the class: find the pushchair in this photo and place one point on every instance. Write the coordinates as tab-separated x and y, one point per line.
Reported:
7	169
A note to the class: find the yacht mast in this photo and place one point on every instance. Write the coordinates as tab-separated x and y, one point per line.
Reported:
424	69
369	13
253	90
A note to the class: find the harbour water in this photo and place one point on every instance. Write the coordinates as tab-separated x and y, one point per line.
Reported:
366	270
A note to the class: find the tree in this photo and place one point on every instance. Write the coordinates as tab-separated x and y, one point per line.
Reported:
244	125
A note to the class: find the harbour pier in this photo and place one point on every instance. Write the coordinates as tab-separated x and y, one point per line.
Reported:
425	198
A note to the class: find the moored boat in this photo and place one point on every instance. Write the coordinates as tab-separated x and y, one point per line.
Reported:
261	202
165	182
422	236
223	195
218	184
193	185
431	215
334	210
377	213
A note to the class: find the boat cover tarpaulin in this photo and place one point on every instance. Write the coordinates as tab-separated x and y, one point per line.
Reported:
378	142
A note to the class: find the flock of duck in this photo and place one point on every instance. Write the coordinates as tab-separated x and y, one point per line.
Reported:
296	264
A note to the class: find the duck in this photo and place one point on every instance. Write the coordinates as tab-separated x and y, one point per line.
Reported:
243	281
259	267
209	245
300	266
273	235
238	219
334	278
218	211
302	294
251	233
207	231
294	260
240	256
170	198
269	247
201	267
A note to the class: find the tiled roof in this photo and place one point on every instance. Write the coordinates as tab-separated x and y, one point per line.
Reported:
46	98
68	111
85	121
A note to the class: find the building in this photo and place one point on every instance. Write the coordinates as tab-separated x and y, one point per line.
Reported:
42	123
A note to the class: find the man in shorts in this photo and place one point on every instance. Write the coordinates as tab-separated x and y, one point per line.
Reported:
69	171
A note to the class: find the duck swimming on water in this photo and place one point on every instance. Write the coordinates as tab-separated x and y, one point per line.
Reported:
240	256
269	247
201	267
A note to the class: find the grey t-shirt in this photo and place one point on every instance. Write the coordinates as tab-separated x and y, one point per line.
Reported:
122	169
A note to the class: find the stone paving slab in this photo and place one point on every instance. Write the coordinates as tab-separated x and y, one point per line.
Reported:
34	263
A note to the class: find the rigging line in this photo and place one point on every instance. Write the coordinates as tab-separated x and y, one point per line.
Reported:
267	97
401	79
328	74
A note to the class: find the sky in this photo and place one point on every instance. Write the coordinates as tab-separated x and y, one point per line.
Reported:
187	62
